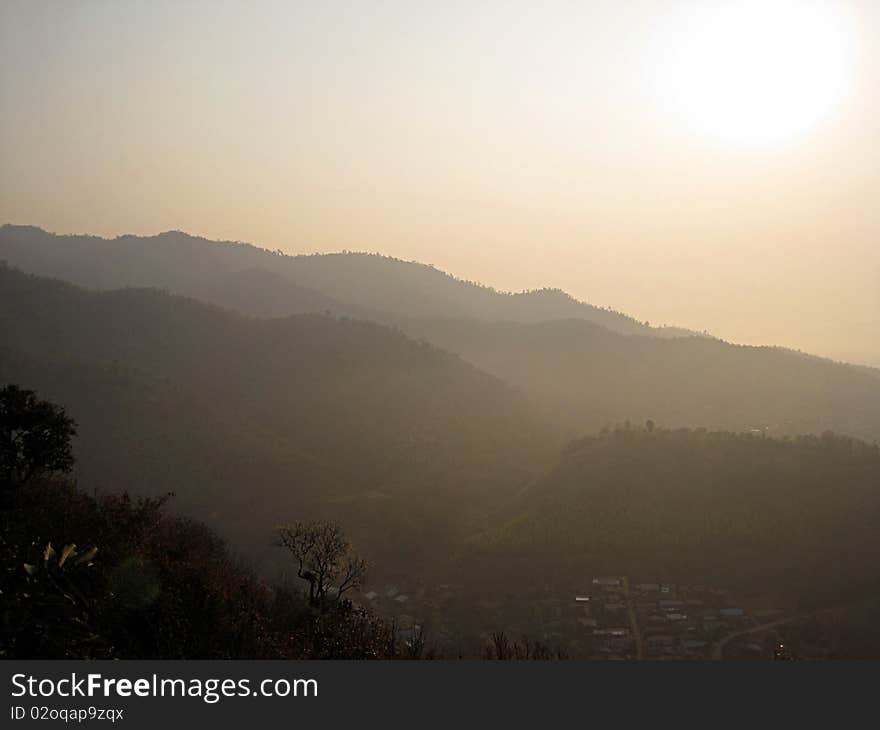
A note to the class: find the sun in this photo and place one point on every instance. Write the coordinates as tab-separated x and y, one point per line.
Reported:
758	72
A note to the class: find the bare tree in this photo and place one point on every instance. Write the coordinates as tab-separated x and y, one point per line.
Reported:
501	647
324	558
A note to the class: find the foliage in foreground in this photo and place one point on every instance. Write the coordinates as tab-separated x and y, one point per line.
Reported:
149	585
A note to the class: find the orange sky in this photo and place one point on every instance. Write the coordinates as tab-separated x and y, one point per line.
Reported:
520	144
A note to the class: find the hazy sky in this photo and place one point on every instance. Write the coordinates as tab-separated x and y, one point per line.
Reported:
716	172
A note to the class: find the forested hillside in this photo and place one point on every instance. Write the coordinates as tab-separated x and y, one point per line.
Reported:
248	420
590	377
795	517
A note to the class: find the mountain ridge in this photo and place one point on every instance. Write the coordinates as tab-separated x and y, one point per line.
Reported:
583	373
325	280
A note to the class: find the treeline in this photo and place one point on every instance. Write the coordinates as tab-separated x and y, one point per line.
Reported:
590	377
794	516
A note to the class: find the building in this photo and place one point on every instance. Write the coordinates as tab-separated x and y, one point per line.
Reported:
694	644
670	604
615	631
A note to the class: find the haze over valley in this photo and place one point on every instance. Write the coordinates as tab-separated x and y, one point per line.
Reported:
447	426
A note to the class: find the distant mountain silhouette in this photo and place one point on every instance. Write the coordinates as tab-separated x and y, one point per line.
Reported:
265	283
587	367
589	377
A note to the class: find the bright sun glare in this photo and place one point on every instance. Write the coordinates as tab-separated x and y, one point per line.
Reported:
759	72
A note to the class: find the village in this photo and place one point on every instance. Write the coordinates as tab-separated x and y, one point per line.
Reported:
612	618
666	621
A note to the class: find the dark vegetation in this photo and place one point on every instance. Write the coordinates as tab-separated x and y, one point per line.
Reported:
111	576
157	586
34	436
796	517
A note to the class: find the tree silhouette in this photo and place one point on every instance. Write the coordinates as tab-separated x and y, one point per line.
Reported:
34	436
324	557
